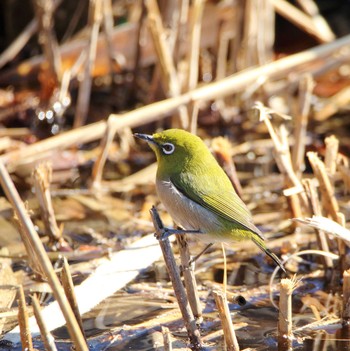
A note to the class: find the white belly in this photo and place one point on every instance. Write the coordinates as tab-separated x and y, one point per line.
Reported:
187	213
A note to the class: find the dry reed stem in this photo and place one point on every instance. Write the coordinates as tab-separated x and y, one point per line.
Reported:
301	20
311	191
330	160
310	7
344	169
42	177
68	286
283	157
285	334
107	25
179	290
226	321
33	237
95	19
193	58
189	277
167	339
300	125
329	201
26	337
106	142
156	111
164	52
346	296
44	10
46	336
31	254
194	43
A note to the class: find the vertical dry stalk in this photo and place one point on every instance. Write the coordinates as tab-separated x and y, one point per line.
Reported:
173	270
330	160
226	321
193	57
329	201
305	93
167	339
42	258
167	66
23	321
95	18
33	262
194	43
44	11
42	177
189	277
285	334
266	31
283	157
344	169
46	336
108	31
346	296
68	286
311	192
105	144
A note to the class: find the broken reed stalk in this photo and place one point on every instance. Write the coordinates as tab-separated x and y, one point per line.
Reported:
189	277
311	192
68	286
283	157
44	261
329	201
46	336
346	296
44	10
164	53
107	26
42	177
300	125
179	290
194	44
158	110
330	160
95	19
23	321
226	321
285	334
166	339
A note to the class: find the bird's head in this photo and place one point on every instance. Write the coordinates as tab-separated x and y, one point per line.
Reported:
175	149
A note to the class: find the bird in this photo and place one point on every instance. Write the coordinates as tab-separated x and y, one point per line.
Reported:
198	194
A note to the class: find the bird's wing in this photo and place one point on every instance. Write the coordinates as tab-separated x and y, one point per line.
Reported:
218	198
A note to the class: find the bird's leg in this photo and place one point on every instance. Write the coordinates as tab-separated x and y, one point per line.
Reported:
195	258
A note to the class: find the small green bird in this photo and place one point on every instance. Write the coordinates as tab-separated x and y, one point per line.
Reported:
197	193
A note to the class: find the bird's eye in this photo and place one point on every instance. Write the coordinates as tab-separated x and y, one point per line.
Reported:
168	148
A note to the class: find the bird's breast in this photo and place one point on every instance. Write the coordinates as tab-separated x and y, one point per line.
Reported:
186	212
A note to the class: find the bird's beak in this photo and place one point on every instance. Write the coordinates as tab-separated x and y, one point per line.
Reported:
145	137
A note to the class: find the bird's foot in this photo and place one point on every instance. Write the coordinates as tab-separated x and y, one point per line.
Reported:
166	232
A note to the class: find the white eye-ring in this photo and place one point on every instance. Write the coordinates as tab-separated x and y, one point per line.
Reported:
168	148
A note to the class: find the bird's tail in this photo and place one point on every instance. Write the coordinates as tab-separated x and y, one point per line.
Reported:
260	243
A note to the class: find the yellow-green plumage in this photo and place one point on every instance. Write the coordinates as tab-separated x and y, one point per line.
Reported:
196	191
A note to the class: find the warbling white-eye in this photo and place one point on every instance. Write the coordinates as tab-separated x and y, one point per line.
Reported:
197	193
